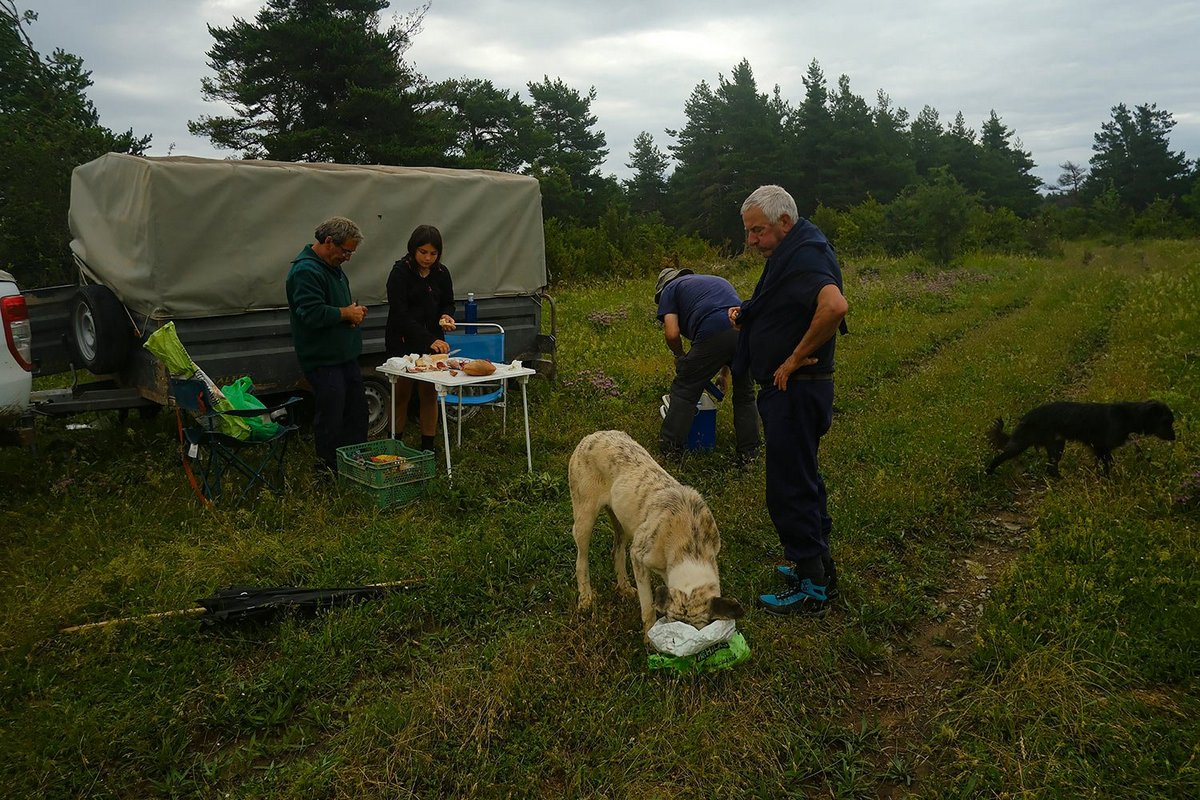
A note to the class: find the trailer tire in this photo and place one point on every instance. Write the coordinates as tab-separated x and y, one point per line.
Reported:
379	406
100	332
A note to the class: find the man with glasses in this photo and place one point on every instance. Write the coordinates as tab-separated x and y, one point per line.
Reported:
325	324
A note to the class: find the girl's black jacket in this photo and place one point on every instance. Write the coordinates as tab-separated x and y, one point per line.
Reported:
415	305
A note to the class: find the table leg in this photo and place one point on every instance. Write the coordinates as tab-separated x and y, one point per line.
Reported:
525	408
392	409
441	391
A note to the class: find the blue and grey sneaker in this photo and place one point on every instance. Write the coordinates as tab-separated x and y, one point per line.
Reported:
803	597
831	582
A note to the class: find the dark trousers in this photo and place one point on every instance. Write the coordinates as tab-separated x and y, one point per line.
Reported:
793	424
692	372
341	409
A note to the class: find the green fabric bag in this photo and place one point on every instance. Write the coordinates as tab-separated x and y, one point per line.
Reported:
239	396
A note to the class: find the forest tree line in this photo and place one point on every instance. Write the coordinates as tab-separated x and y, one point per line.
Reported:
876	179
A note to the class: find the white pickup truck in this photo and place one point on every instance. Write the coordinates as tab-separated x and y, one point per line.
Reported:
15	353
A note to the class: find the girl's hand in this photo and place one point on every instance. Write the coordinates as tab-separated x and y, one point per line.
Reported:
446	322
440	346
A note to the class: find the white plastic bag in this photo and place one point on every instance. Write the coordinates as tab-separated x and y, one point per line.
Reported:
681	639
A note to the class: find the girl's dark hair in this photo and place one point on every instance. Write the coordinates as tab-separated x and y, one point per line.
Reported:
423	235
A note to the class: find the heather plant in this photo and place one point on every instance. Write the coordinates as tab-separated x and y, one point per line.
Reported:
605	319
594	379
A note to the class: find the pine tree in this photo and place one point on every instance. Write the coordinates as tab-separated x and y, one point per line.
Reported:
317	80
647	189
490	128
1006	171
48	126
567	152
732	143
1133	156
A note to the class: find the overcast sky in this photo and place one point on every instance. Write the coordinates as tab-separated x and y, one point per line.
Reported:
1051	69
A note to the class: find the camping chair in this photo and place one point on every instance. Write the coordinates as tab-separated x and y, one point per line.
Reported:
205	442
487	342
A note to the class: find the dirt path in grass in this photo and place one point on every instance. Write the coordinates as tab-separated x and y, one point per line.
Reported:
904	697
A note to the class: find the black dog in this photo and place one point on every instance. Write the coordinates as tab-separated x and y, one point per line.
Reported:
1101	426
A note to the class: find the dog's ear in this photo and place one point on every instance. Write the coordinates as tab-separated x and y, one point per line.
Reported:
725	608
662	599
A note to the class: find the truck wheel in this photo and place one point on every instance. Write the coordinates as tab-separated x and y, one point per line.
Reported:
379	406
100	330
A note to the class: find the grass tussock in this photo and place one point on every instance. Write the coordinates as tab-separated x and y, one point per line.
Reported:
481	679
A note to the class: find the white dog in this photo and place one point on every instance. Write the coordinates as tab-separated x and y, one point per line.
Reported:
667	527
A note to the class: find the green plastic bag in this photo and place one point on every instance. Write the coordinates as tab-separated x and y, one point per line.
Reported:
165	345
238	395
721	656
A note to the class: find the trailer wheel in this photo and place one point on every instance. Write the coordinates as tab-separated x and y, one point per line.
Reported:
100	331
379	406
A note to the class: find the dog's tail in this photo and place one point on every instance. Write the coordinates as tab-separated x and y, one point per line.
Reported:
996	434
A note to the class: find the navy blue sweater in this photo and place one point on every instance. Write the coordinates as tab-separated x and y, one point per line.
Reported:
781	309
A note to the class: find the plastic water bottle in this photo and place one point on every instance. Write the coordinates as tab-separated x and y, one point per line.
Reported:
472	312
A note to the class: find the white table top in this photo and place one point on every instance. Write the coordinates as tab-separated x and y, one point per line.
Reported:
444	378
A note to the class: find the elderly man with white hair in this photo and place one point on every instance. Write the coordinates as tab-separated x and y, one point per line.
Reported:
788	329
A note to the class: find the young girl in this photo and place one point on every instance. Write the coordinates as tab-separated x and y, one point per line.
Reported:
420	307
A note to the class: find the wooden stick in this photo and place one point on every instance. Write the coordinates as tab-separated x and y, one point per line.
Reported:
155	615
197	611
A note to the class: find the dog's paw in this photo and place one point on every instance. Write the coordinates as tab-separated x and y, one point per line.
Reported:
585	601
626	590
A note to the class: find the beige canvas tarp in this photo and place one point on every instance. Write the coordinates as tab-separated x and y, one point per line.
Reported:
189	237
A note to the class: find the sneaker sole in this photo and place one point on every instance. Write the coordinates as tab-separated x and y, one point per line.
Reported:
795	610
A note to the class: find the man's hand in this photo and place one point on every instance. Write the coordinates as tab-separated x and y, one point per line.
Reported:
446	322
722	381
440	346
733	313
354	314
790	365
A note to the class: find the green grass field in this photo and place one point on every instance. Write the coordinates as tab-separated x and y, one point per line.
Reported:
1077	676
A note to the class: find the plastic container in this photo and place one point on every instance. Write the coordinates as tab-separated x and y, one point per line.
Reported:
354	463
389	484
471	312
703	433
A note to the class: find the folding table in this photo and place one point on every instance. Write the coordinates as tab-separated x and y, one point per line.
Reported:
443	380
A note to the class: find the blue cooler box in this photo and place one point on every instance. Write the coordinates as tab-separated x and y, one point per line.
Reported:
703	434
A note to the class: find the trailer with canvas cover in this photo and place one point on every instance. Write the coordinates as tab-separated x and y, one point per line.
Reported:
208	243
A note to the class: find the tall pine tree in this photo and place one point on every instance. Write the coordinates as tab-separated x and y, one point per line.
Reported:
732	143
490	127
317	80
1006	171
568	152
647	190
1133	156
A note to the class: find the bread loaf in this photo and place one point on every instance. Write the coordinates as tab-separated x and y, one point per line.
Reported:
479	366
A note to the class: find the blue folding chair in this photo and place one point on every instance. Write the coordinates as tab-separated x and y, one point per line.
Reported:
487	342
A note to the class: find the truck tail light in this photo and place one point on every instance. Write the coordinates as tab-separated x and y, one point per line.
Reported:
14	315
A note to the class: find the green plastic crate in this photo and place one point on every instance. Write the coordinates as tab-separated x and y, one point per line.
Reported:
388	496
354	463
